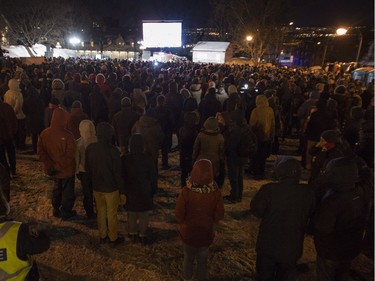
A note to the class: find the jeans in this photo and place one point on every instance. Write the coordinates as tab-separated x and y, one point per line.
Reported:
269	269
201	255
106	206
20	137
235	175
138	223
88	200
63	195
165	147
328	270
8	156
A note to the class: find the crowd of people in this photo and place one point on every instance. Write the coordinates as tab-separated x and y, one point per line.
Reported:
105	121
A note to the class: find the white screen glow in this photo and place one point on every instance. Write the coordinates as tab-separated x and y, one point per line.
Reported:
162	34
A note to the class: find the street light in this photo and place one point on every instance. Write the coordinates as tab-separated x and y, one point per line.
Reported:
339	32
249	38
74	40
343	31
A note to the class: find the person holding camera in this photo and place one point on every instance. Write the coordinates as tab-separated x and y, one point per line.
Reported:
56	149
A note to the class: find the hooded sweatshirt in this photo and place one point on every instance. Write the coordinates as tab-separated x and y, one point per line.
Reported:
88	136
56	146
262	120
14	98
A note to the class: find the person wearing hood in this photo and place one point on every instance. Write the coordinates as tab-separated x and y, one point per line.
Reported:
139	173
58	90
75	117
56	150
209	144
285	208
88	135
262	122
139	98
199	207
18	241
103	165
304	110
14	98
105	90
341	217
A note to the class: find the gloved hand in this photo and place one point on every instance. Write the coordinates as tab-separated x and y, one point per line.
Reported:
122	199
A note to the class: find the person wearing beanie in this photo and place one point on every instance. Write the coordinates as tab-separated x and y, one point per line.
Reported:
75	117
209	144
56	150
329	147
285	208
18	242
88	135
123	122
199	207
341	216
139	173
232	89
103	165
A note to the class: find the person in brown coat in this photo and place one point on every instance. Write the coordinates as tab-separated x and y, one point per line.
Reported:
209	144
198	207
75	118
56	149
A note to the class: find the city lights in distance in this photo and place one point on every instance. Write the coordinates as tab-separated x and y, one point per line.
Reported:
74	40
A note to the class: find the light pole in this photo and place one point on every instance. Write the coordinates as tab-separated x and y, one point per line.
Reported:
339	32
343	31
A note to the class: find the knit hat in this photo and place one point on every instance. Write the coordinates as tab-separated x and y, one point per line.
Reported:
341	170
211	125
287	167
331	136
232	89
126	102
104	131
77	104
202	172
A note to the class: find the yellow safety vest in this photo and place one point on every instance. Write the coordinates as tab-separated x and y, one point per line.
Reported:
11	267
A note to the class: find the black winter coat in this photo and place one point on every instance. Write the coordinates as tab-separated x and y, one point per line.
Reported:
285	209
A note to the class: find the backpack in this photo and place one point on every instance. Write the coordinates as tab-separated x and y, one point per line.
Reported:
248	142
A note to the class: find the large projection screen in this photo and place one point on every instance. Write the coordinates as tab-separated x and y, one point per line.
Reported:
162	34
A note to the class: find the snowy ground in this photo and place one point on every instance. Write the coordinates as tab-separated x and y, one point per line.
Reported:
75	253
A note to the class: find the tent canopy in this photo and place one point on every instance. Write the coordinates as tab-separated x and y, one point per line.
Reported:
206	46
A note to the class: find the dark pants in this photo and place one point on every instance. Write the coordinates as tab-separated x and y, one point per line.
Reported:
63	195
328	270
235	175
165	147
260	157
88	198
8	156
269	269
20	138
186	165
198	254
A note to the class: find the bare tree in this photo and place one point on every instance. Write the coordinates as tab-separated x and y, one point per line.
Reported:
40	21
259	18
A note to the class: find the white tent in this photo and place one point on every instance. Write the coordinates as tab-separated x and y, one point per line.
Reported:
211	52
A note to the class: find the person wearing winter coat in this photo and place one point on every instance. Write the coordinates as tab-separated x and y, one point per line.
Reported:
262	123
139	99
209	144
285	208
58	90
52	105
14	98
98	106
199	207
365	146
149	127
87	136
123	123
56	150
114	103
75	117
196	90
103	165
174	101
209	106
8	128
341	216
139	173
353	126
33	107
105	90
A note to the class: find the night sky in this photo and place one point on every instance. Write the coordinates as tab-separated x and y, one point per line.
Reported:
196	12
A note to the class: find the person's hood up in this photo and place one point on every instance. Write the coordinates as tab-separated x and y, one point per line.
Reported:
341	173
104	132
261	101
87	131
100	79
287	168
136	144
14	85
59	118
57	84
201	178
